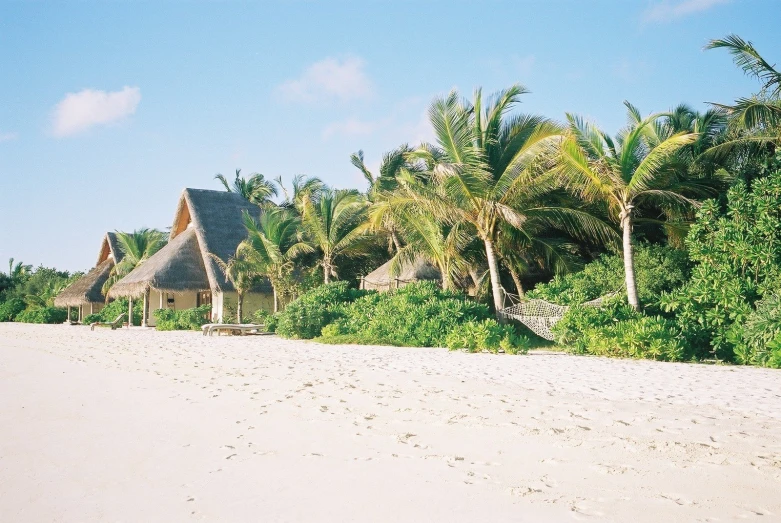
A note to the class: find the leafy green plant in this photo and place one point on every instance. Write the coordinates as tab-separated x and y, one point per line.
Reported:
737	256
649	337
658	269
93	318
306	316
42	315
579	319
119	306
753	339
263	317
185	319
10	309
488	335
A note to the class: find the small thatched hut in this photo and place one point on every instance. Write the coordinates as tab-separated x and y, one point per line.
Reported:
183	275
381	278
86	292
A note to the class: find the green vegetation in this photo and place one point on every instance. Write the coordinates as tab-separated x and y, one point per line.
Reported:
503	201
186	319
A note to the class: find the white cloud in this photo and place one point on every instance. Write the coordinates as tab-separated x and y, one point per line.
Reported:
349	127
330	78
7	137
668	10
78	112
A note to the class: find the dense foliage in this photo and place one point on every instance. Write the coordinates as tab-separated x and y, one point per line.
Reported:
185	319
305	317
737	256
113	309
42	315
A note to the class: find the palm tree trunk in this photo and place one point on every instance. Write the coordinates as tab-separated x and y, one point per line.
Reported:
395	238
516	280
326	270
239	306
145	313
493	267
629	260
276	299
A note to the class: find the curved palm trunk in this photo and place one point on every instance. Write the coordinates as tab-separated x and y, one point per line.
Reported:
239	307
493	267
629	261
395	238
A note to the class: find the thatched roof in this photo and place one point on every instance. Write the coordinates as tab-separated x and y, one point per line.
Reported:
177	267
382	279
86	289
109	247
216	218
212	223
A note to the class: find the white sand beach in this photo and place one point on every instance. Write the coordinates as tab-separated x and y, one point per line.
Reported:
136	425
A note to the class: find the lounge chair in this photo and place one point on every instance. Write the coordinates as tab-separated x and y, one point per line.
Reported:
116	324
242	329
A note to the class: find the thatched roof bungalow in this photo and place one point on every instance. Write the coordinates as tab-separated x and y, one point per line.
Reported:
382	279
86	293
182	274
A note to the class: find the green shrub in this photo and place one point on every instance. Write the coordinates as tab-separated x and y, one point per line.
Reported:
649	337
487	335
754	339
737	253
658	269
185	319
42	315
305	317
10	309
93	318
263	317
119	306
418	315
579	319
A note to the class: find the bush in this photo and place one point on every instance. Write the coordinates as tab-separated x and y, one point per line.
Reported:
737	253
487	335
185	319
119	306
263	317
756	340
10	309
650	337
305	317
579	319
417	315
658	269
42	315
93	318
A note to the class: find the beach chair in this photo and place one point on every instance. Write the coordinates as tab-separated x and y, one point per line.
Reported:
116	324
241	329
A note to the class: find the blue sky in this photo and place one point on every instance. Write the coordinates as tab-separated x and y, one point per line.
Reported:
110	109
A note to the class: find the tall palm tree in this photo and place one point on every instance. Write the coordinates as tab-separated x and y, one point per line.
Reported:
18	271
136	247
272	244
256	189
310	186
380	190
625	173
242	272
332	223
489	169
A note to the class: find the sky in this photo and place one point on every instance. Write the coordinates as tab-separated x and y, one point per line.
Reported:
109	109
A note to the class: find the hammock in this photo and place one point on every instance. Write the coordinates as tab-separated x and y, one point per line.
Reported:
540	315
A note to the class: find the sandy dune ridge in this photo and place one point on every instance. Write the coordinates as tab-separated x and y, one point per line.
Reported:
137	425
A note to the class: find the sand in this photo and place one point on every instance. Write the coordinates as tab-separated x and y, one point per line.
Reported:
137	425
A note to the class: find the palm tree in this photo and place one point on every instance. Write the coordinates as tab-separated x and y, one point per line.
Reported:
256	189
625	173
136	248
18	271
379	194
489	170
764	109
242	272
310	186
332	223
272	244
434	241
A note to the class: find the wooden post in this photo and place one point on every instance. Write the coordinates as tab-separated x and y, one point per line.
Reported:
91	308
161	299
145	310
81	314
363	283
69	315
397	283
129	311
